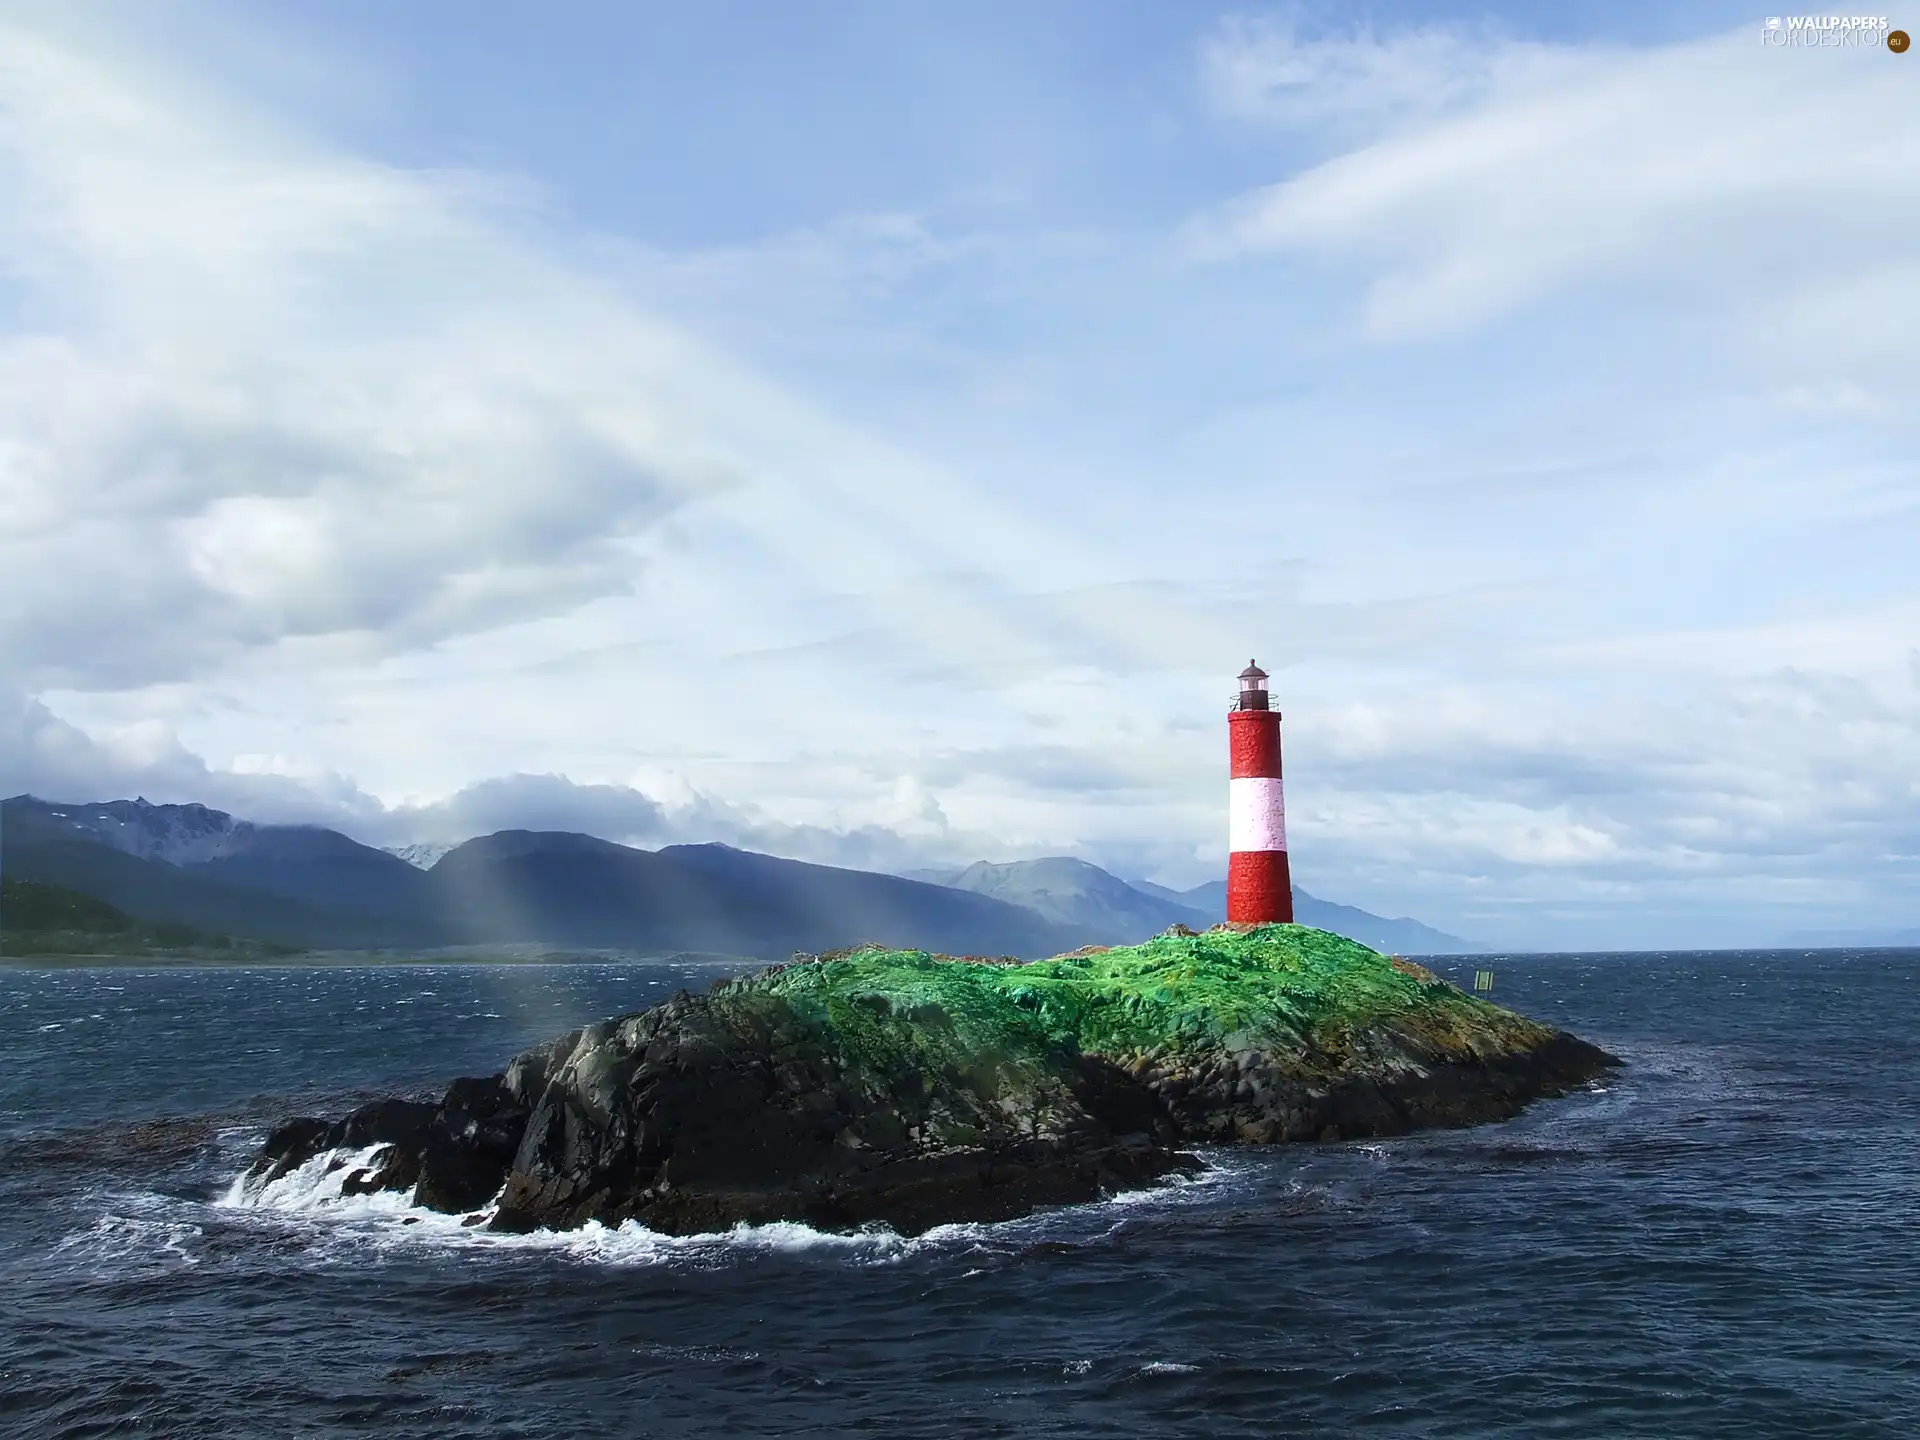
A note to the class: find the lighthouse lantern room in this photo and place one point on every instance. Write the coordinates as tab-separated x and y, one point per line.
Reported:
1259	887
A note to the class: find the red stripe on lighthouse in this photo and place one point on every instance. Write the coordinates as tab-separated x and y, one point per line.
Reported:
1255	739
1259	888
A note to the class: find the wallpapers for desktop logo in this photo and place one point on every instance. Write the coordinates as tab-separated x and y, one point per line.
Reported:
1857	30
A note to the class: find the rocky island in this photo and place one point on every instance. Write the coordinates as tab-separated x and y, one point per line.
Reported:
908	1089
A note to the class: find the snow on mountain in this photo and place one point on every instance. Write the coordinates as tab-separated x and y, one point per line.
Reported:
176	834
422	856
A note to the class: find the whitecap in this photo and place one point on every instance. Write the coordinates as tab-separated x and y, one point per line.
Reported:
119	1245
1218	1171
318	1187
314	1193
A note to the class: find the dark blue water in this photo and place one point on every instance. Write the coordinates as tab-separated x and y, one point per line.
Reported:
1721	1242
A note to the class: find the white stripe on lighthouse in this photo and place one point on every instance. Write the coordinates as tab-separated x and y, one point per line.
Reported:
1256	813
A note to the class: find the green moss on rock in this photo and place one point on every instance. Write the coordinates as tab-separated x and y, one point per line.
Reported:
1285	988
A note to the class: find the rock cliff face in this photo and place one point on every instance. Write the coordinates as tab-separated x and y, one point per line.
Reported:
915	1090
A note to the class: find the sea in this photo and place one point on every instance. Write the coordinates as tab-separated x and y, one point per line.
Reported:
1718	1240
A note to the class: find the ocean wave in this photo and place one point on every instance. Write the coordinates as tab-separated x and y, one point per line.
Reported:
119	1247
315	1194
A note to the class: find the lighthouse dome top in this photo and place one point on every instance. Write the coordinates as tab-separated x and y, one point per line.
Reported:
1253	689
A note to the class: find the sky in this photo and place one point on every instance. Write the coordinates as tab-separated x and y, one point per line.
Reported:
879	433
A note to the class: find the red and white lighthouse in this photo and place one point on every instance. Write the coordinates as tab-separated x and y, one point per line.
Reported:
1259	889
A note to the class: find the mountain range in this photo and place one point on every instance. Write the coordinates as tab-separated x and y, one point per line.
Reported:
1114	911
317	888
1397	936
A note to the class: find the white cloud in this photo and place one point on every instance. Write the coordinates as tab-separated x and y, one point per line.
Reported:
1265	69
1715	165
266	390
42	755
1717	786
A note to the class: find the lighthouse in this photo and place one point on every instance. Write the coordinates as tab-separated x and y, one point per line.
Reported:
1259	889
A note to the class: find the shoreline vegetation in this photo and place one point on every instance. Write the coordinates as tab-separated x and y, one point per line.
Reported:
50	927
50	924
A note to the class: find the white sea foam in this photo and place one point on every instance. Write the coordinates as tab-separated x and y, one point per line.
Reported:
317	1188
313	1194
1222	1169
120	1245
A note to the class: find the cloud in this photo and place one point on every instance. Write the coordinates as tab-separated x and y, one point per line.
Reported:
41	754
535	802
1714	164
1772	783
265	390
1265	69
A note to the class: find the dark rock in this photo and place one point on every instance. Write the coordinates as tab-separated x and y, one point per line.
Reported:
291	1145
400	1125
470	1144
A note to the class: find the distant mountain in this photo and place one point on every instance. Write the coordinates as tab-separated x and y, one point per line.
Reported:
175	834
302	862
319	868
1209	899
309	886
1109	910
41	842
1098	906
316	888
524	885
1399	937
